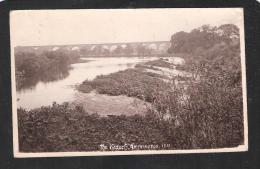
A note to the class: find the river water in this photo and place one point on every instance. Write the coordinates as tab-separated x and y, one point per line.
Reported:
59	91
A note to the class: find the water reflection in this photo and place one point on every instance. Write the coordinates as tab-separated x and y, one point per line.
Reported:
58	85
46	76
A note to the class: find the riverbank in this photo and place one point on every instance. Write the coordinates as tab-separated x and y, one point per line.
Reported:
59	128
106	105
195	101
62	89
143	81
183	112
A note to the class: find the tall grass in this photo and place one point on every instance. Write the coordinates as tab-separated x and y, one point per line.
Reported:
204	112
61	128
205	115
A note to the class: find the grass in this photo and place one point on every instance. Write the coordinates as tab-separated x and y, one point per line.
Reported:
199	114
205	114
130	82
60	128
204	111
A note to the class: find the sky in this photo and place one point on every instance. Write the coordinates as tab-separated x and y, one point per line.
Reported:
93	26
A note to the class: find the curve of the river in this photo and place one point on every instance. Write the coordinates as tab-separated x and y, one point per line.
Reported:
60	91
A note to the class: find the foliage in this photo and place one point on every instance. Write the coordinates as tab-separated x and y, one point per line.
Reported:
61	128
47	66
203	38
210	109
206	111
130	82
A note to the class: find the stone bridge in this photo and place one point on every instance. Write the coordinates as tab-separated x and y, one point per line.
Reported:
109	49
157	45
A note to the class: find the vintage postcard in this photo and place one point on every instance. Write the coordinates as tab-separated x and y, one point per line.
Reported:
128	81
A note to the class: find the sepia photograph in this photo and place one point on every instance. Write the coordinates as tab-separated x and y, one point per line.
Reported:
95	82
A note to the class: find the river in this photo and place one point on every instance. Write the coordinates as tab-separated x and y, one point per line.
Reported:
59	91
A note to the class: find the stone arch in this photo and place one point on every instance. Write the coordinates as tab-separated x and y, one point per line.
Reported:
92	47
123	45
152	46
75	48
112	48
163	46
105	47
55	48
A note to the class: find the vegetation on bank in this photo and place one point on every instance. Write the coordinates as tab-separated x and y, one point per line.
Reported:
32	67
130	82
204	112
61	128
215	103
208	108
209	48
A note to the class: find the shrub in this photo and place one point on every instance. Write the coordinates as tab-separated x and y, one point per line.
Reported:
61	128
130	82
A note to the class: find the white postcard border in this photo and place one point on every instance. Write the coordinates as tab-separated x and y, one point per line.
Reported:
18	154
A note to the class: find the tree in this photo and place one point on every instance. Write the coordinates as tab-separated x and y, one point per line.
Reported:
203	37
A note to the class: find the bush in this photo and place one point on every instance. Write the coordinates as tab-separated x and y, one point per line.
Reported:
130	82
32	67
61	128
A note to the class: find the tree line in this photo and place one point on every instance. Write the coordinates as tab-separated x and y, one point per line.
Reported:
32	67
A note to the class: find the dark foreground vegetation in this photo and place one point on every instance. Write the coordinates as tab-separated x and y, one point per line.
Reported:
204	112
60	128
